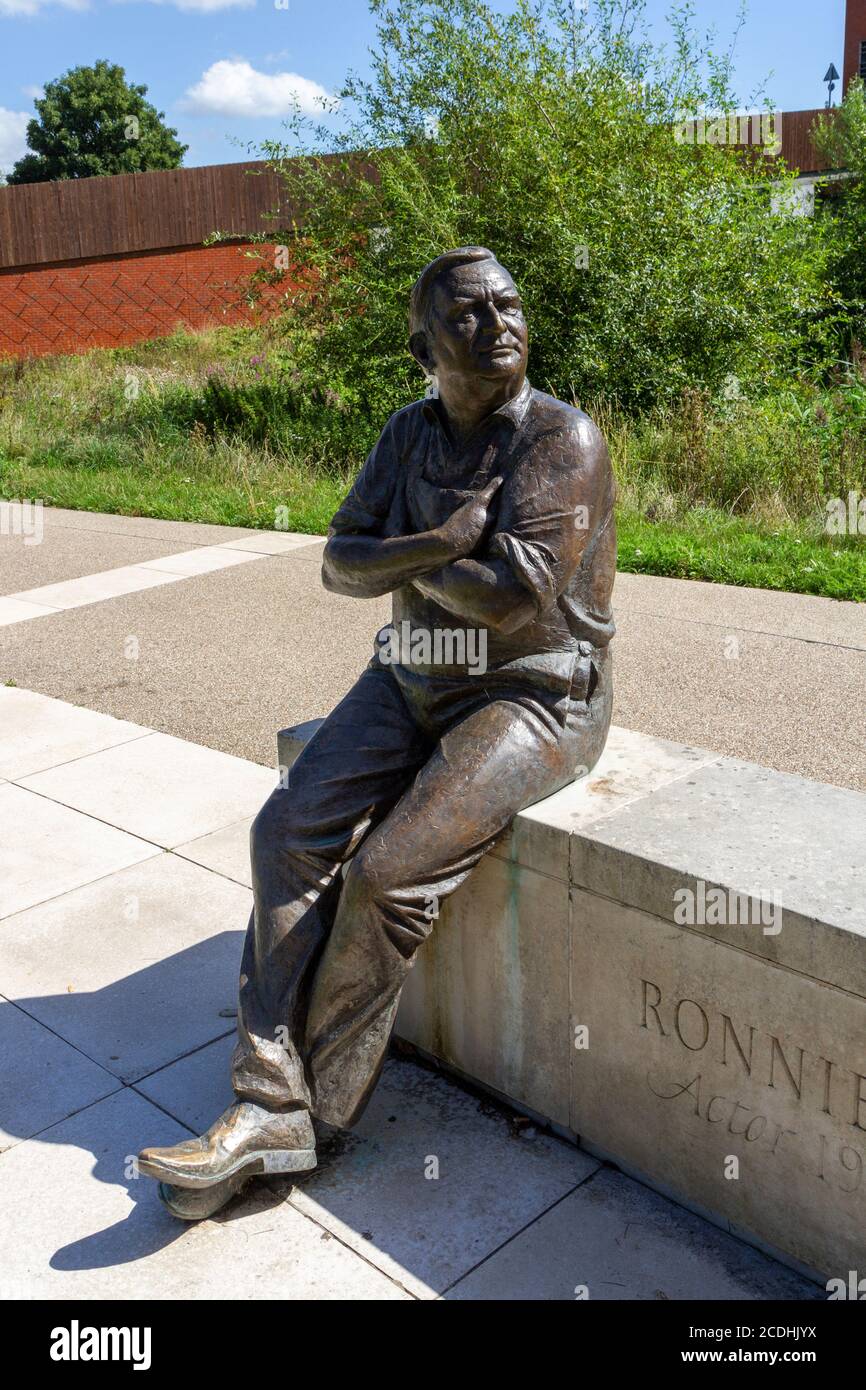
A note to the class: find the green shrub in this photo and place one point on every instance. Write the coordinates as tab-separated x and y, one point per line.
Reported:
648	266
841	139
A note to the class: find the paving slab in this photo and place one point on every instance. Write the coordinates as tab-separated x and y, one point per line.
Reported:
16	610
134	976
37	732
311	553
226	851
75	1225
135	969
274	542
95	588
432	1179
148	527
42	1078
372	1188
614	1239
59	849
164	789
204	560
195	1089
64	554
802	617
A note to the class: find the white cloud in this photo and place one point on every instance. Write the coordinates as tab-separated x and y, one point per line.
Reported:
232	87
34	93
13	137
29	7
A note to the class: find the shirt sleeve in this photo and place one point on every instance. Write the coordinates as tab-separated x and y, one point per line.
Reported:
368	503
555	504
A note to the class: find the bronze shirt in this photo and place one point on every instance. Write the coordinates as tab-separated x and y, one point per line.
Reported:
552	519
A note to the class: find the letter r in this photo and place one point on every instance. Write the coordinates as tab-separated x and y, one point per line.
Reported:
652	1007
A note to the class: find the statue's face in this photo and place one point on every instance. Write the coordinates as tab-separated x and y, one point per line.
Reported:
477	327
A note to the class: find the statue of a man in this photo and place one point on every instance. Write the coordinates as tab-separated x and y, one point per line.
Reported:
487	511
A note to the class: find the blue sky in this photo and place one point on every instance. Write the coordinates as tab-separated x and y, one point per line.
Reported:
222	70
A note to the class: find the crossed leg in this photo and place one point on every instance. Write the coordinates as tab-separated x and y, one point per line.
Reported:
503	756
414	807
345	781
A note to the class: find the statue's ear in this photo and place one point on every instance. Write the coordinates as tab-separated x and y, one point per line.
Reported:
420	349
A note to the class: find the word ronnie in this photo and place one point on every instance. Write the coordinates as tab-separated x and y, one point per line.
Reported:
818	1082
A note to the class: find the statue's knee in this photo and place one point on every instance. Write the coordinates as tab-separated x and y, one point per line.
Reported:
366	876
277	827
262	830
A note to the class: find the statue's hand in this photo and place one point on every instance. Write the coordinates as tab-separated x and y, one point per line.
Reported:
464	529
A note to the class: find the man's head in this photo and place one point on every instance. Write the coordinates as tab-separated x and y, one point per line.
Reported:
466	322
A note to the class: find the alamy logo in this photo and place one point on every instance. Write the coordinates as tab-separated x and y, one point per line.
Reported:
763	130
719	907
22	519
846	519
852	1288
438	646
77	1343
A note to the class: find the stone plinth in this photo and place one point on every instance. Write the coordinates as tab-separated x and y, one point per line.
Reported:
668	961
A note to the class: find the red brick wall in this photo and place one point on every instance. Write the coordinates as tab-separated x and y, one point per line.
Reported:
855	34
76	305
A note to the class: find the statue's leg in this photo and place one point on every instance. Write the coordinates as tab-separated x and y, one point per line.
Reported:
346	779
506	754
355	768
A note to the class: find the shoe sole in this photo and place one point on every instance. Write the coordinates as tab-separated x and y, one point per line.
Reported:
189	1205
251	1165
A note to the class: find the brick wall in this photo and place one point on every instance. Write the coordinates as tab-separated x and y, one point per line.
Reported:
72	306
855	35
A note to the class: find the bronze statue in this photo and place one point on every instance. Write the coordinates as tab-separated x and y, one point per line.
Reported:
487	510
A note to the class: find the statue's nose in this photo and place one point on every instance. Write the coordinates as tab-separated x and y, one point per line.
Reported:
494	322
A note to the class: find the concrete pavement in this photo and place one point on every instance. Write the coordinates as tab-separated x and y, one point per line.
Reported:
123	895
228	657
124	887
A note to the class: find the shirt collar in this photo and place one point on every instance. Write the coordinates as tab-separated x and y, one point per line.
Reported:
513	411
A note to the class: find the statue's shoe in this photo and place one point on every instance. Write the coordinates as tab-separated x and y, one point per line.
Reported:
198	1203
247	1139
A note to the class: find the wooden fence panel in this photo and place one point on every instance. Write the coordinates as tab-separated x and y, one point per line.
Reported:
72	219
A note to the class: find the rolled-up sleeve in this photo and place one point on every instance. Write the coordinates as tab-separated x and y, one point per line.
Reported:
368	503
551	507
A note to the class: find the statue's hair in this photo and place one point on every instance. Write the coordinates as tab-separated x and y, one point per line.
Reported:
421	300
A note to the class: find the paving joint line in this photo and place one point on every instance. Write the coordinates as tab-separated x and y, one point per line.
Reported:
48	1028
533	1220
18	781
757	631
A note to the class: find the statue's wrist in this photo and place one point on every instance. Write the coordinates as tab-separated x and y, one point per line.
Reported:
446	544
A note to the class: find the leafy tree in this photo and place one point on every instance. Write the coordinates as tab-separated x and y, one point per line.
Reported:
92	121
648	264
840	137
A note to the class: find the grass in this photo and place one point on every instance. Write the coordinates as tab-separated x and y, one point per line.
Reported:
229	491
728	550
214	427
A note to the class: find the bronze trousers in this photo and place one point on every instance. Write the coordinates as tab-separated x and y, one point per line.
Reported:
411	778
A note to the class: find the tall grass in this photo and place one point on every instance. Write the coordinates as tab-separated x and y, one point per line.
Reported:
214	426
